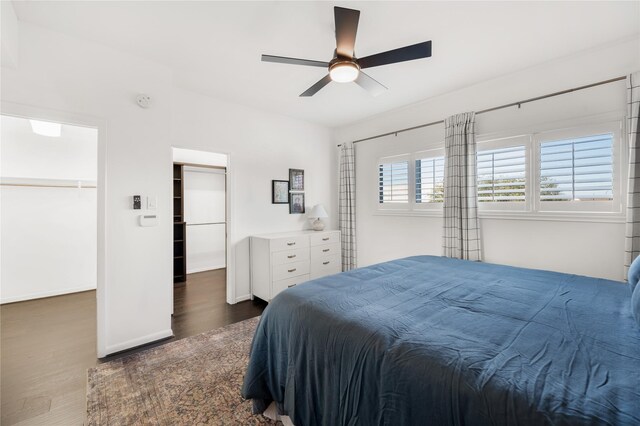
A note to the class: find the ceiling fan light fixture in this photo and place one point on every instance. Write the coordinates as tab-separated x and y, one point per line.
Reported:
344	72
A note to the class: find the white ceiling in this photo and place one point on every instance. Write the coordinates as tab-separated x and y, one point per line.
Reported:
214	47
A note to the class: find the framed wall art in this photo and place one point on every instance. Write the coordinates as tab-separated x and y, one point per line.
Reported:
296	203
279	192
296	180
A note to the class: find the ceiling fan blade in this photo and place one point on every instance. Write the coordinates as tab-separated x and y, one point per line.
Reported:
346	29
316	87
294	61
369	84
407	53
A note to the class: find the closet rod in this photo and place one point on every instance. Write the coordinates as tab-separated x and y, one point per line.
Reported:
48	186
518	104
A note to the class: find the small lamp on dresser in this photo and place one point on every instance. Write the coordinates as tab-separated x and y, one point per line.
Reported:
318	212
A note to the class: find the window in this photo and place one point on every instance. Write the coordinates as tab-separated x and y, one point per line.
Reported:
579	169
574	173
502	175
430	180
393	182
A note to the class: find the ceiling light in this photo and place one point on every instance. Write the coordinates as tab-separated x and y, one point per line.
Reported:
46	128
344	72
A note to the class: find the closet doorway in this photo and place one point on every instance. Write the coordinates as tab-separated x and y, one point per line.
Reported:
49	191
199	240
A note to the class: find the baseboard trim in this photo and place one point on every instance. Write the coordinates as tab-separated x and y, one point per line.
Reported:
43	294
208	268
129	344
243	298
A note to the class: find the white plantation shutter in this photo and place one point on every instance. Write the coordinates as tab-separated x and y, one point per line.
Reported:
502	174
393	182
577	169
430	180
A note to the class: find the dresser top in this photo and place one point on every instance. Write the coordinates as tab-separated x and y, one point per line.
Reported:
293	234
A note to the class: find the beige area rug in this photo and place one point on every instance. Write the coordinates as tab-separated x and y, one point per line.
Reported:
193	381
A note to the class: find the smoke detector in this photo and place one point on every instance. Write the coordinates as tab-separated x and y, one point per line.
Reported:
143	101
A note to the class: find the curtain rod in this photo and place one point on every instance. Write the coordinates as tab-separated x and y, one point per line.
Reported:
518	104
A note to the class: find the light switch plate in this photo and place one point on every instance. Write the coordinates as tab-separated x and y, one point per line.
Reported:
152	202
137	202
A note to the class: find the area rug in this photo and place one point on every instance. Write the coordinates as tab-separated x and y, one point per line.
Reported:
193	381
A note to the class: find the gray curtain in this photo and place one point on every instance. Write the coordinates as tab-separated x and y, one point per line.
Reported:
461	234
347	206
632	237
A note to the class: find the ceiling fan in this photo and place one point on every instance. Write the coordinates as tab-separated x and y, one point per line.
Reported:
345	67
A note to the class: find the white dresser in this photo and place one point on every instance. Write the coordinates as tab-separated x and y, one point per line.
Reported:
280	261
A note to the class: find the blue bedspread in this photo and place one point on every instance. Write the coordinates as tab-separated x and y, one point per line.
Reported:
437	341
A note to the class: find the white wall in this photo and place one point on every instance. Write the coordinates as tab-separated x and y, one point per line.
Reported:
205	214
191	156
63	73
49	236
589	248
9	39
48	242
261	147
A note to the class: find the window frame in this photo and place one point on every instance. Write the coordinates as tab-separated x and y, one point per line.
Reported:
613	207
424	155
583	126
396	206
508	142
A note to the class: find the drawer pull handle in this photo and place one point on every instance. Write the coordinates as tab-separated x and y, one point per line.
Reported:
325	250
325	263
292	285
325	239
291	270
291	244
291	256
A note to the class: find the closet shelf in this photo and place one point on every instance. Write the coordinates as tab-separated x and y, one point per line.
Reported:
47	183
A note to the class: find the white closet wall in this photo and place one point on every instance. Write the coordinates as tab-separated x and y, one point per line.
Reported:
205	214
48	224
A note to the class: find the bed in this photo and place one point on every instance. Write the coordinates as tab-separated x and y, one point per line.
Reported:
437	341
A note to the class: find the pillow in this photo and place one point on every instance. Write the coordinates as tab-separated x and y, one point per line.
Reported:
635	304
634	273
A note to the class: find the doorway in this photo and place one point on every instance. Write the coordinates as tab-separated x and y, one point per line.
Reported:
200	240
49	189
53	244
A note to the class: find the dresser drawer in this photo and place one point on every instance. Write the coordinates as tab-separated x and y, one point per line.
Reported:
294	242
324	238
326	265
288	270
290	256
326	250
278	286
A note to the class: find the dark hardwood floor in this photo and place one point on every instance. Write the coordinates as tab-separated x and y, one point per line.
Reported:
47	345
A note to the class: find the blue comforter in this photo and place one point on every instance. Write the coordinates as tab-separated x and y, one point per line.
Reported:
437	341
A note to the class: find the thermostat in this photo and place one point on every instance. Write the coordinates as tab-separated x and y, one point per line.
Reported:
148	220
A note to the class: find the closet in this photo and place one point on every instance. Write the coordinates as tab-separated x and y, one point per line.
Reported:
179	231
48	187
199	219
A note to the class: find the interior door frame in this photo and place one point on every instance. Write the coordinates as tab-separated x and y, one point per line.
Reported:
80	120
229	229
